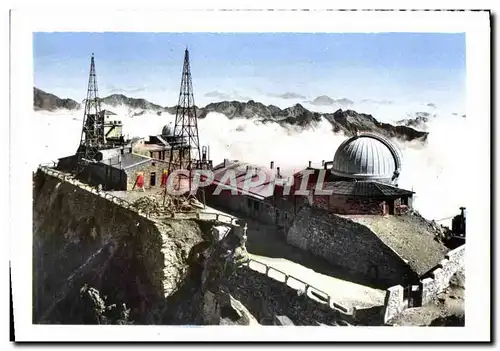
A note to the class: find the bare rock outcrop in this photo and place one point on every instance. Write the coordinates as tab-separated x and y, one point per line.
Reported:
160	268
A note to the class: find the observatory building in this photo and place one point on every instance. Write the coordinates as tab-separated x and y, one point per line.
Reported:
357	226
361	179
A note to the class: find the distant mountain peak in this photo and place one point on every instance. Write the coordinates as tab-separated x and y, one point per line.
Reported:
348	121
120	99
324	100
46	101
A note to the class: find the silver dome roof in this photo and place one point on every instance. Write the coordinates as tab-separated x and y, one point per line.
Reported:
167	130
367	156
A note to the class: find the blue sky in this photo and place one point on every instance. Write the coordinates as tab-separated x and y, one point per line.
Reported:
387	66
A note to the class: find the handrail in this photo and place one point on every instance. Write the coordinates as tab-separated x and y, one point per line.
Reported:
307	287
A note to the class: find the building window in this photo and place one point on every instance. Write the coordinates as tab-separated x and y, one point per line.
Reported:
153	164
256	206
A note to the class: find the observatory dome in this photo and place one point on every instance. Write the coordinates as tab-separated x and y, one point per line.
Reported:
368	157
167	130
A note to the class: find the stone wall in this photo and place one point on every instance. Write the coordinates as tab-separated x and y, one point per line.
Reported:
348	205
142	149
394	302
439	278
266	298
401	210
350	246
80	236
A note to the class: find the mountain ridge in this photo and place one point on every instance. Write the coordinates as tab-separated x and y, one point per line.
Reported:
347	121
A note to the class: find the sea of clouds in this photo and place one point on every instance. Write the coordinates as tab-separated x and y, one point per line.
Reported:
434	170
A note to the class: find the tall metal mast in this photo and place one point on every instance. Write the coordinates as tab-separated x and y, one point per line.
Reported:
92	138
187	153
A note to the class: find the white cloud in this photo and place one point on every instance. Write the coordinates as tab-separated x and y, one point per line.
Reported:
434	171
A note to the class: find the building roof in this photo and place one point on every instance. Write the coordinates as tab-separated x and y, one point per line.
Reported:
154	147
366	156
127	160
108	113
242	173
365	189
410	236
163	141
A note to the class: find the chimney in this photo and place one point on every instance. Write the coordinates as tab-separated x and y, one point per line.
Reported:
226	162
323	162
310	164
122	151
272	164
278	172
204	154
462	211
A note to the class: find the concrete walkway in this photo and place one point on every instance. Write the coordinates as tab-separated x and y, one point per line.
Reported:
267	245
342	292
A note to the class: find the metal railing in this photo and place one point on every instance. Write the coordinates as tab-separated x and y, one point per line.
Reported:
321	296
208	216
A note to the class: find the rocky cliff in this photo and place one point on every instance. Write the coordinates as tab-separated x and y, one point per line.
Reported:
85	245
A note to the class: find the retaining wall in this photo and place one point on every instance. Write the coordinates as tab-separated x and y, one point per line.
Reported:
268	292
428	288
440	276
82	235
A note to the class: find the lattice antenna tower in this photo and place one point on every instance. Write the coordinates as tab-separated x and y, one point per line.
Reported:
92	137
186	125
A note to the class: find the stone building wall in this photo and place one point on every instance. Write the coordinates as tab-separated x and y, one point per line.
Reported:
350	246
348	205
268	211
147	168
226	201
109	177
